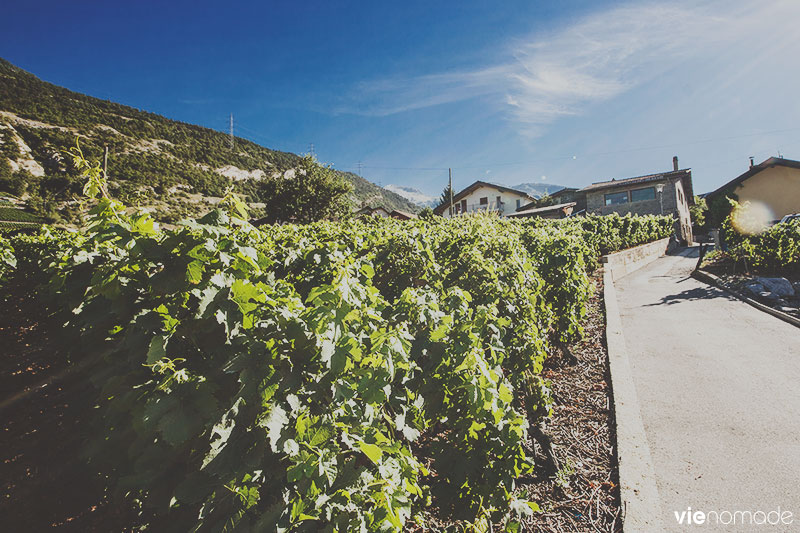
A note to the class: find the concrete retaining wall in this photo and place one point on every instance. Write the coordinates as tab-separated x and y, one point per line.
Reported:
621	263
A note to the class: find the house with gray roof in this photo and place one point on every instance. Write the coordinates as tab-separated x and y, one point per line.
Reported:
550	211
664	193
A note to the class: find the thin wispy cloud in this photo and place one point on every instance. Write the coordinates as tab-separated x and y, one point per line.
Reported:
547	76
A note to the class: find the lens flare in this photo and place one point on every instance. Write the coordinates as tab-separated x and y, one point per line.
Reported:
751	218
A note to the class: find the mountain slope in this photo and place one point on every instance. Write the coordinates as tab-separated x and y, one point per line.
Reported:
538	189
174	168
414	195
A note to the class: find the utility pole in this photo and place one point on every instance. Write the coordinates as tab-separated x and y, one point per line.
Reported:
359	169
450	187
311	150
231	140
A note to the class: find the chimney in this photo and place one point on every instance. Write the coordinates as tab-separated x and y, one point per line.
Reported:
675	163
751	161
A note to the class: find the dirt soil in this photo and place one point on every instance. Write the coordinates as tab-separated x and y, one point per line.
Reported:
584	494
44	409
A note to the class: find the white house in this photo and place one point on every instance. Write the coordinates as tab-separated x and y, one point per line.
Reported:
485	197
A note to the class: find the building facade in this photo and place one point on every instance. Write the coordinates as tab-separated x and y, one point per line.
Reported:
667	193
774	184
571	194
483	197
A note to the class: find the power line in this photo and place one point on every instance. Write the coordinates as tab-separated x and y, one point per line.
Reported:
360	166
589	154
400	168
692	143
252	132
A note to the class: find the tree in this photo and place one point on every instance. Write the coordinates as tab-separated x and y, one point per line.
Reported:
5	175
17	182
426	214
719	209
544	201
314	192
446	195
698	212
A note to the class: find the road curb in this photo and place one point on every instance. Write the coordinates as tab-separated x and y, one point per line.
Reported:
641	505
711	279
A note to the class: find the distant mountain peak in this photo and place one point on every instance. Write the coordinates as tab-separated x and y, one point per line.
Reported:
414	195
538	190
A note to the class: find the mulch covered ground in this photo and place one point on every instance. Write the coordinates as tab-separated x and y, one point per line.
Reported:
584	494
44	410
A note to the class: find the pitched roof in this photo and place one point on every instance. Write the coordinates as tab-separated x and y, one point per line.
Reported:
403	214
439	209
685	175
559	192
367	210
634	181
752	171
540	210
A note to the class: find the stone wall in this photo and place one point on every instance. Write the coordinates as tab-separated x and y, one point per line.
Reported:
632	259
595	204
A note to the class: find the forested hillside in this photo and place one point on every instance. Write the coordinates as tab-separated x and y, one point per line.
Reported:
173	168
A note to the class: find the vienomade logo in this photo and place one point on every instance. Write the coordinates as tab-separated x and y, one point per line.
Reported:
734	518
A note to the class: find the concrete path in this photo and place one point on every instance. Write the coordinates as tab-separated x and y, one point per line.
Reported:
718	384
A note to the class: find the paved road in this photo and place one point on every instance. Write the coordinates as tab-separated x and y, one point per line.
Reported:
718	383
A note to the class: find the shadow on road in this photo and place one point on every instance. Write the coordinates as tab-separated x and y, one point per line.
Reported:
690	251
699	293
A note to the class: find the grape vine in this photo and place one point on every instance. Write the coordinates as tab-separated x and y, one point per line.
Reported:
320	377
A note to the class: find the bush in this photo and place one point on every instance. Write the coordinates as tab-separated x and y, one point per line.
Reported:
776	250
314	192
8	261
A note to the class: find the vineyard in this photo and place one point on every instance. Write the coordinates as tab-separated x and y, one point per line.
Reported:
775	250
14	219
369	375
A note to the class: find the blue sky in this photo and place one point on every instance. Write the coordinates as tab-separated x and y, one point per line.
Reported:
566	92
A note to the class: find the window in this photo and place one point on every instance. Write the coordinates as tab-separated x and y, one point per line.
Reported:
518	202
484	201
640	195
616	198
